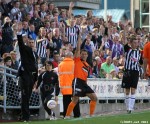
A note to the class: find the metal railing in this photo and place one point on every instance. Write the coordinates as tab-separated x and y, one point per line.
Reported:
87	1
10	91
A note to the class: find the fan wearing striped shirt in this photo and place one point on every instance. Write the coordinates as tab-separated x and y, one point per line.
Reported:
133	60
43	45
72	33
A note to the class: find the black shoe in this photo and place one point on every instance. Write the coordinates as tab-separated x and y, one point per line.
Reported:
129	111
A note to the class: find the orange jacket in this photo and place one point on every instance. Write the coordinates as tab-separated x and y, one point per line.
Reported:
66	76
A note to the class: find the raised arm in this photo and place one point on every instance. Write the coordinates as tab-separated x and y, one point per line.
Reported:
19	35
70	9
77	51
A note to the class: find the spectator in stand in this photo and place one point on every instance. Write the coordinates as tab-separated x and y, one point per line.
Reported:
117	48
36	7
43	46
25	29
52	25
107	69
94	72
8	63
56	59
14	29
84	31
15	62
42	12
10	89
16	13
88	48
72	32
120	75
30	7
55	18
138	31
24	7
5	55
57	42
6	9
36	21
31	33
7	36
40	1
47	26
89	24
115	64
62	15
102	30
51	7
89	14
121	63
97	40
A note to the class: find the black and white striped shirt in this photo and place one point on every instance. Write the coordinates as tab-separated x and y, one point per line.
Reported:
133	59
42	48
72	34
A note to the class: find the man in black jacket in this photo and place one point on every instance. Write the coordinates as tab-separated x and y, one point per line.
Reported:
28	72
7	37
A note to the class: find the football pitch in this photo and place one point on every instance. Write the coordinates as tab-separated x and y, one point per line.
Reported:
142	117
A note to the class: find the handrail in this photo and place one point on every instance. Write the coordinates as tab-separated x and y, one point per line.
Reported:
6	74
13	70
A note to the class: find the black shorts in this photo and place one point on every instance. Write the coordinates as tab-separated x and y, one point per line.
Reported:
80	88
130	79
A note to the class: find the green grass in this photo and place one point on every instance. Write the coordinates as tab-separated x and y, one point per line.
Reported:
134	118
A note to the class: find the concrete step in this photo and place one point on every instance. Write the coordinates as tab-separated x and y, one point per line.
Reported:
101	108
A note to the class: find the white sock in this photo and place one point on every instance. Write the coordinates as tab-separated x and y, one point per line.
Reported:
132	102
127	102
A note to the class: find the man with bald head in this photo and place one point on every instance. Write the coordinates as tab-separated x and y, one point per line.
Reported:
66	76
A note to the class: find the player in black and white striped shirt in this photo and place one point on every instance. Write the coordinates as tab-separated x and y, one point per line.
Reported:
130	79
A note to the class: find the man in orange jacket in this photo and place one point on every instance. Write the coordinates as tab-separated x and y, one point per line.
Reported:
66	76
146	56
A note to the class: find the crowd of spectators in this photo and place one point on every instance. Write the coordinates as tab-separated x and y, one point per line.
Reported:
54	31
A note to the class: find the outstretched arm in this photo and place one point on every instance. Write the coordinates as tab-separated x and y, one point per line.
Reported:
77	51
71	5
19	35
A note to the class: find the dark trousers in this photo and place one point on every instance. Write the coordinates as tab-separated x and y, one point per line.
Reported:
45	97
66	101
26	85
